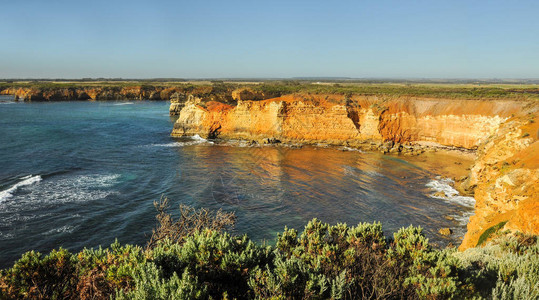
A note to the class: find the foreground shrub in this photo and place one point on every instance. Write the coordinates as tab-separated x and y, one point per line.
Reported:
323	262
150	283
511	265
41	277
102	272
219	262
91	274
191	220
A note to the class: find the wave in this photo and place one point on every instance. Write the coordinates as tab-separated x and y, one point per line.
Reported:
345	148
64	189
6	236
193	140
126	103
27	180
197	137
450	194
63	229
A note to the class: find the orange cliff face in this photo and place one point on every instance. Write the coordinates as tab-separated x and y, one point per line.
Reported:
503	132
506	180
175	94
334	119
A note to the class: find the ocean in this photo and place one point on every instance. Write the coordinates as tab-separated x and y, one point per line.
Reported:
82	174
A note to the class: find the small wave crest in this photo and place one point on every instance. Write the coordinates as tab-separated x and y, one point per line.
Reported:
27	180
193	140
63	229
345	148
61	189
197	137
125	103
444	190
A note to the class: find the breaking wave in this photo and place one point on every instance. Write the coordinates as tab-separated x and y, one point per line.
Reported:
62	189
193	140
27	180
450	194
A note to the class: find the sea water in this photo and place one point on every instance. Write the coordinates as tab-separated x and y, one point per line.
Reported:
82	174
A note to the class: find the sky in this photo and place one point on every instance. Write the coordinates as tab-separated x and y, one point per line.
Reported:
269	39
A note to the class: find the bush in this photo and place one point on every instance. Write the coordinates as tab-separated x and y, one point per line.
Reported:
35	276
191	220
219	262
505	268
323	262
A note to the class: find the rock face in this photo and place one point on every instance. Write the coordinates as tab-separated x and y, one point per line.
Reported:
506	173
505	178
177	102
336	120
243	94
175	94
88	93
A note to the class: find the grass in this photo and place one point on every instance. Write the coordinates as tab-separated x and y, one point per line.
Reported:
489	232
425	90
449	91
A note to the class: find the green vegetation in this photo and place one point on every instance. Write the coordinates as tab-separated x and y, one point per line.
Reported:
323	262
281	87
489	232
112	85
448	91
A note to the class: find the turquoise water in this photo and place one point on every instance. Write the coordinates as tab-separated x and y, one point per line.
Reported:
80	174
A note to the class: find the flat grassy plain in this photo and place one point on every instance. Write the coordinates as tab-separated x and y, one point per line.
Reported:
512	91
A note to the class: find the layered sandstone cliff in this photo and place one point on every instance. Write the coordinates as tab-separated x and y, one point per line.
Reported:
505	178
175	94
355	121
504	133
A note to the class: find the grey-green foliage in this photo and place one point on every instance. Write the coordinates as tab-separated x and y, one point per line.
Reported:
355	262
323	262
151	284
217	262
513	266
432	273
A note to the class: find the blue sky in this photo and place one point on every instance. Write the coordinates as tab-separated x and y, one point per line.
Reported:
211	39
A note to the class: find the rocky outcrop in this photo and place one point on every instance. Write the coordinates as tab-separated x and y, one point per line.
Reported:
85	93
505	178
139	92
503	132
245	94
177	102
355	121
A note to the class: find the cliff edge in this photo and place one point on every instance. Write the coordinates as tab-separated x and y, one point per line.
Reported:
504	134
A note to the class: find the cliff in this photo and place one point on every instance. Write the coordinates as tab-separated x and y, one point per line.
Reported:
353	121
505	178
503	132
176	94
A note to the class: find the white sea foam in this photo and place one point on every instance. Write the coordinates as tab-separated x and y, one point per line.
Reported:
197	137
451	194
63	229
125	103
64	189
6	236
350	149
27	180
193	140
